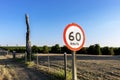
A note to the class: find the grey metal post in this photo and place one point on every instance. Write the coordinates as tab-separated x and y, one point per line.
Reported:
65	65
74	73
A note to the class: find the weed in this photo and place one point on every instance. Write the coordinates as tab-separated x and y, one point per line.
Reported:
30	64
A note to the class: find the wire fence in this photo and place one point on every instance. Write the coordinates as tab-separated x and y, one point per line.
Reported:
54	61
88	66
55	65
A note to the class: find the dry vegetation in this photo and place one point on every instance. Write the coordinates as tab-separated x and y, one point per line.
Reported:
89	67
6	71
12	70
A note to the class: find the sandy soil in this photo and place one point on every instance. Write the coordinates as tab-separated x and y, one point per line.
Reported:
98	67
10	70
89	67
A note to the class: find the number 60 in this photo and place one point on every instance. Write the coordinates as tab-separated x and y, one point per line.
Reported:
72	37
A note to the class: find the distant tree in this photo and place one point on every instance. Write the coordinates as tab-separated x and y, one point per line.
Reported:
111	51
45	49
91	49
107	51
56	49
35	49
97	49
82	51
116	51
94	49
65	49
40	50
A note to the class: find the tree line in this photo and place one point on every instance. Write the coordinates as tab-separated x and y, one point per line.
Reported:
92	49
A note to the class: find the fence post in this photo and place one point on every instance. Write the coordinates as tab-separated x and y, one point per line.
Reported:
30	56
7	53
48	61
25	57
14	54
37	60
65	65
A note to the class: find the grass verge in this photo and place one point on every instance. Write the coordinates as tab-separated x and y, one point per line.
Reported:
52	73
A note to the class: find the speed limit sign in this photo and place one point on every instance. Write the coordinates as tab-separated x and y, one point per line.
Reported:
74	37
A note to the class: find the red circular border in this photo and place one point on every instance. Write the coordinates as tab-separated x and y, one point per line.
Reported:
64	36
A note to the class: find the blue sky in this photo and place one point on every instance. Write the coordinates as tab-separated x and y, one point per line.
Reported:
100	20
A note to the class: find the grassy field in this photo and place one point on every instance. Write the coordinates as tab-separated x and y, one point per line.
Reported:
89	67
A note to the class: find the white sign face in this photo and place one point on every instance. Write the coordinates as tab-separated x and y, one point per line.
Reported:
74	37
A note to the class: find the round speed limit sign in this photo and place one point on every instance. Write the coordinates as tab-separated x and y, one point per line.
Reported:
74	37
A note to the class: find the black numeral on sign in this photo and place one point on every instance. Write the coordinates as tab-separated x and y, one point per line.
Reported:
77	36
71	37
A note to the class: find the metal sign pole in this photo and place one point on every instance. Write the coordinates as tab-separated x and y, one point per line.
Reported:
74	74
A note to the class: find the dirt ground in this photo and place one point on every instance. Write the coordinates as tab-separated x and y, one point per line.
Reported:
89	67
11	70
98	67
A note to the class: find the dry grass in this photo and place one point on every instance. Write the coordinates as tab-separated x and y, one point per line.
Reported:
7	73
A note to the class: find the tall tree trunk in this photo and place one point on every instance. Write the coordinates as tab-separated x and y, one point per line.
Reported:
28	42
